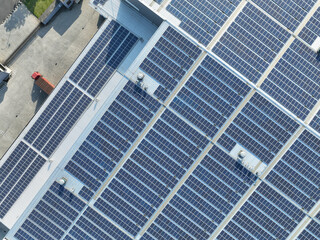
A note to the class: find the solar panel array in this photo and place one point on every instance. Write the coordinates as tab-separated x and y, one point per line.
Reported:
16	173
210	96
297	174
290	13
204	200
311	30
63	111
312	231
151	172
202	19
251	42
177	150
52	216
315	123
103	58
261	128
295	80
169	60
112	136
57	119
265	215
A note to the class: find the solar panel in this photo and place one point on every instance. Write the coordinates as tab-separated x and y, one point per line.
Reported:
312	231
103	58
91	225
52	216
57	119
315	123
298	172
169	60
261	128
204	200
112	136
251	42
290	13
210	96
202	19
16	174
295	80
265	215
182	131
151	172
311	30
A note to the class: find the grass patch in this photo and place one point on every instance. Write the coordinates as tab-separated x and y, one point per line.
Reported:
37	7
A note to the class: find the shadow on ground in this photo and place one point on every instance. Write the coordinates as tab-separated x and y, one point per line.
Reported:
38	96
3	90
61	23
15	22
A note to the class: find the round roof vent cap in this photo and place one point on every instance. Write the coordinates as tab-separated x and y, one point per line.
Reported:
140	76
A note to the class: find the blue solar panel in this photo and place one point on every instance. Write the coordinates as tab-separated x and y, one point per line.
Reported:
86	193
57	119
52	216
204	200
298	172
202	19
311	30
315	123
16	173
251	42
151	172
295	80
210	96
91	225
261	128
103	58
312	231
265	215
169	60
112	136
289	12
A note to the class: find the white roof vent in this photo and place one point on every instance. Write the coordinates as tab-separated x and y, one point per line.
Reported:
140	76
62	181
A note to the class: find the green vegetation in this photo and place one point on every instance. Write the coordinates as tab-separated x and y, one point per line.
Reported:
37	7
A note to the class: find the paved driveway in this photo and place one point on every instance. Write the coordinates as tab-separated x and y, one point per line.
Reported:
6	7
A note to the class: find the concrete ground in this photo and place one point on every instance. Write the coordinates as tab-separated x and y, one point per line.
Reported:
7	6
13	32
51	51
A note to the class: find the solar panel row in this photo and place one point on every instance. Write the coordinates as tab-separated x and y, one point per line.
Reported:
251	42
16	173
204	200
52	216
57	119
265	215
169	60
261	128
103	58
295	80
151	172
315	123
311	30
290	12
210	96
112	136
298	173
311	232
202	19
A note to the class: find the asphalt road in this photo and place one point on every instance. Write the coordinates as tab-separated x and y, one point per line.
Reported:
6	7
